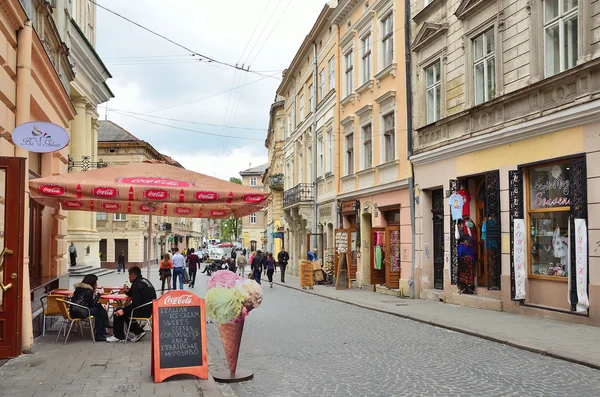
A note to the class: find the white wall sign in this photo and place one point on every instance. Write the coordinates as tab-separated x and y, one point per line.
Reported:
519	257
581	257
40	137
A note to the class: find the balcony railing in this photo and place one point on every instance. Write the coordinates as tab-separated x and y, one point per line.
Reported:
276	182
300	192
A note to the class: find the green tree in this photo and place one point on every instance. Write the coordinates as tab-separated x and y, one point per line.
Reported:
235	180
232	227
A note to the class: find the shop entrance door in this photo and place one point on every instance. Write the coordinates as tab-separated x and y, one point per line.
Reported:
12	180
392	257
121	245
377	250
437	209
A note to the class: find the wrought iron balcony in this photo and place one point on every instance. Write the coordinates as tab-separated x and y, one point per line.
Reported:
276	182
299	193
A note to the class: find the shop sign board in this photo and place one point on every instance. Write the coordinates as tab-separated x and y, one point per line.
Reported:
306	274
519	257
348	206
179	336
40	137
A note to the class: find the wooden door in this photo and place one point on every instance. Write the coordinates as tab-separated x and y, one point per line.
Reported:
481	252
377	276
393	255
12	180
121	245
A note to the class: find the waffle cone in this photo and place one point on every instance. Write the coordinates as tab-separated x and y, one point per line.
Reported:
231	335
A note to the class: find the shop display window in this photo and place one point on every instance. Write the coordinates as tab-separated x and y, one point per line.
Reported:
548	209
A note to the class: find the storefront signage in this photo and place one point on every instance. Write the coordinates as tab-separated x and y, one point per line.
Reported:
40	137
348	206
550	187
306	275
581	257
152	181
277	235
519	257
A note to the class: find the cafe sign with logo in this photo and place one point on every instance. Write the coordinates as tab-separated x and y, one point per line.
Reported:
40	137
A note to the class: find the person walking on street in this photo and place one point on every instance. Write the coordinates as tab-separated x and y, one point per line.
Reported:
283	257
241	262
178	266
193	262
121	262
257	265
270	268
165	272
73	254
141	292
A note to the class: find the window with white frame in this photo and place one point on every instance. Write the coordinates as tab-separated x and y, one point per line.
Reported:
350	154
389	137
387	39
282	127
290	129
253	219
120	217
348	73
101	216
332	73
302	107
253	181
366	58
321	85
367	141
330	151
321	154
310	98
484	67
560	35
433	87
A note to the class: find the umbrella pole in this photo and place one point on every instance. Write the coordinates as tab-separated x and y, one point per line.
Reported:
149	243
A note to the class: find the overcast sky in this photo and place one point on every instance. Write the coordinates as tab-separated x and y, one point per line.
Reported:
155	81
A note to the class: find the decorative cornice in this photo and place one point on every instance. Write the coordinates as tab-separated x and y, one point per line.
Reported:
467	7
15	14
364	111
377	189
427	10
428	33
390	95
343	10
348	120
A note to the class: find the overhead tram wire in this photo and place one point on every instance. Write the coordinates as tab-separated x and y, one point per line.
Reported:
254	31
262	31
271	32
210	59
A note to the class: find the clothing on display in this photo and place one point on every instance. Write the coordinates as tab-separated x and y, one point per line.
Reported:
466	209
456	203
489	229
378	257
467	260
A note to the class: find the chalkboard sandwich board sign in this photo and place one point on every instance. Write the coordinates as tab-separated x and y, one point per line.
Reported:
179	336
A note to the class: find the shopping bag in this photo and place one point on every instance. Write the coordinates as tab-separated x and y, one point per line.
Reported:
186	276
251	274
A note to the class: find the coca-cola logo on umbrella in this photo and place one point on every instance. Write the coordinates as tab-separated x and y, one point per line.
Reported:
217	213
73	204
107	192
52	190
150	181
253	198
207	196
111	206
156	194
146	208
178	300
183	210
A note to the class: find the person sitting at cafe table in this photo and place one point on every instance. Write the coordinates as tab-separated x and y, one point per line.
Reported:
141	292
86	294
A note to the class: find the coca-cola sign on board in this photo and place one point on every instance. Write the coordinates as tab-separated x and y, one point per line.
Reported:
217	213
111	206
146	208
178	300
151	181
207	196
156	194
253	198
183	210
52	190
73	204
103	191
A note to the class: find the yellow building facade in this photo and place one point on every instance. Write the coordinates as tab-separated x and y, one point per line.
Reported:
254	225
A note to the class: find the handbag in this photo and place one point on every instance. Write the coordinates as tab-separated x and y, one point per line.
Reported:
251	275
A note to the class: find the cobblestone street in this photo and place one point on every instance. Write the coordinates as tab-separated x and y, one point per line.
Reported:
303	345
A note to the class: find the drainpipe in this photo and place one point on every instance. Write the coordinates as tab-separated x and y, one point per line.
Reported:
409	142
23	115
314	139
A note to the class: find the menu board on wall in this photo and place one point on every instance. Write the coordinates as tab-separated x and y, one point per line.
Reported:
395	248
341	241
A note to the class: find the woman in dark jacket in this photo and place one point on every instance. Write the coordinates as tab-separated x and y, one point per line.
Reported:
85	294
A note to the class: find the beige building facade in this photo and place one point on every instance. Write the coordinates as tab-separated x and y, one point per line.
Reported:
505	115
254	225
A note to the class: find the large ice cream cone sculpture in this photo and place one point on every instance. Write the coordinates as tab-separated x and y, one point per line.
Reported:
231	335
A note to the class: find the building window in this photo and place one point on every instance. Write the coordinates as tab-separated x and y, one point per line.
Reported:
348	73
387	39
350	154
366	58
253	181
548	212
302	107
332	73
321	153
120	217
367	132
310	98
101	216
484	67
433	96
330	151
290	123
389	137
321	85
282	127
560	35
253	219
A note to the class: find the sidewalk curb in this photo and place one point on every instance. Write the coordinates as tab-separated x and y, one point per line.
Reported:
208	387
451	328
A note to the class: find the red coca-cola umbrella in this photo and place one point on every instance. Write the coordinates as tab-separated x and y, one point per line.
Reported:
148	188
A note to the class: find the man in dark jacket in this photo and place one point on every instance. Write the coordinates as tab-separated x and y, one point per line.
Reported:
141	292
257	265
283	257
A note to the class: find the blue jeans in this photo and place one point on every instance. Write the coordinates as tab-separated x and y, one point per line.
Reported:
257	275
121	267
178	273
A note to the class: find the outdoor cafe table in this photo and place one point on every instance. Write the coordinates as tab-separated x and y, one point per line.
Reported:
110	289
63	292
